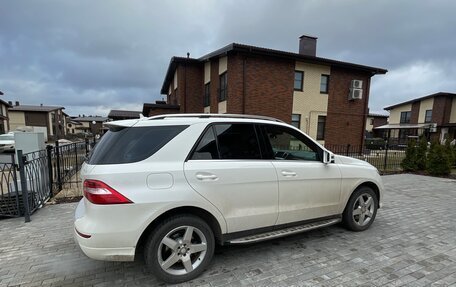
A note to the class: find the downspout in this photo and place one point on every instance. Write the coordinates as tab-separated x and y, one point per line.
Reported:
366	112
243	84
185	88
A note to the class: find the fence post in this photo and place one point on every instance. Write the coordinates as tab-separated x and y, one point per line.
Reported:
21	158
87	146
51	174
348	149
385	163
59	176
76	155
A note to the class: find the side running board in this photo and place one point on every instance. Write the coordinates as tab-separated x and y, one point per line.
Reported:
285	231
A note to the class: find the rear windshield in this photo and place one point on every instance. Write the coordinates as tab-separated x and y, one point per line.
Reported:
127	145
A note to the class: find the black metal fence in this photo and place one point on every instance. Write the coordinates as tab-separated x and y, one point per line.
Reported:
386	159
42	174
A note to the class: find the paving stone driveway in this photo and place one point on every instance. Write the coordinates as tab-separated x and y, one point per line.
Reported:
412	242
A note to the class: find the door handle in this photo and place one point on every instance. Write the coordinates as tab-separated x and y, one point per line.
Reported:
288	173
203	176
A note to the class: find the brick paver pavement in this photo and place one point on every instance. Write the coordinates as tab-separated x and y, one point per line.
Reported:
411	243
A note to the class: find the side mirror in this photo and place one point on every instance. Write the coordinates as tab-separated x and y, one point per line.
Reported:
328	157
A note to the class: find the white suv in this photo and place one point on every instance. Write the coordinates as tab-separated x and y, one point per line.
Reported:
173	186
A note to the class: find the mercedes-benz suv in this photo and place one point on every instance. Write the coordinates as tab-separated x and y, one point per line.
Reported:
174	186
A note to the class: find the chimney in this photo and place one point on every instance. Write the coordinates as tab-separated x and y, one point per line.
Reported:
10	103
308	45
17	103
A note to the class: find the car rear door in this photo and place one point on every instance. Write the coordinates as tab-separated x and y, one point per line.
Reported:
308	188
226	167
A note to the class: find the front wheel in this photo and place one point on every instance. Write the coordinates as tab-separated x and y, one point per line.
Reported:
180	248
361	209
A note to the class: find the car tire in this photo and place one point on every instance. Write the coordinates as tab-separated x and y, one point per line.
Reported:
361	209
180	248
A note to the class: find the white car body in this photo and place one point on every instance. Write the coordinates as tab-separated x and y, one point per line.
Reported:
239	195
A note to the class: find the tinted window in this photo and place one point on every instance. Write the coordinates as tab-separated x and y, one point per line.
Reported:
237	141
287	144
207	147
126	145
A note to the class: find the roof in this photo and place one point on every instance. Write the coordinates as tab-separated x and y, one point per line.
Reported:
403	126
30	108
124	114
445	94
5	103
90	119
254	50
377	115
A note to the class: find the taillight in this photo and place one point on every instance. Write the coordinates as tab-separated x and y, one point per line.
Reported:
99	192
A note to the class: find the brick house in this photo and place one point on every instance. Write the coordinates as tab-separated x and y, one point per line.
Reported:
117	115
49	119
433	116
325	98
87	124
373	121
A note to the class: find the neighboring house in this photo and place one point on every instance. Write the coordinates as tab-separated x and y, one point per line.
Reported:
4	118
159	108
433	116
373	121
327	99
90	124
116	115
72	126
49	119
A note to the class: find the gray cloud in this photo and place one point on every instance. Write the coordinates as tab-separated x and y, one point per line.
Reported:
91	56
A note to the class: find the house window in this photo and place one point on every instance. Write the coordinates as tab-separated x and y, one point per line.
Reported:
222	89
207	95
321	128
296	120
428	116
405	117
371	122
324	84
298	80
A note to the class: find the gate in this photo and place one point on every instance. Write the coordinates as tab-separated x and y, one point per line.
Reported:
41	174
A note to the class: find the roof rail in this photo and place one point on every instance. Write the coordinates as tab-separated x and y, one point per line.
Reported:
202	116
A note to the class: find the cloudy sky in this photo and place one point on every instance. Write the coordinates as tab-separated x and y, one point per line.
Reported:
93	56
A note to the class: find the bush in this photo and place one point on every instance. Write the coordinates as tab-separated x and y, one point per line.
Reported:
421	153
374	143
409	163
438	162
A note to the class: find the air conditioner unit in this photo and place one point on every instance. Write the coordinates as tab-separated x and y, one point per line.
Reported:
433	128
355	94
357	84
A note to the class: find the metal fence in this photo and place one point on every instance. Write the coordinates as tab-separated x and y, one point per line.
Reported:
42	174
387	159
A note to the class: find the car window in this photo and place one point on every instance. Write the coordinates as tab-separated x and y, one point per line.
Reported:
228	141
237	141
127	145
288	144
207	147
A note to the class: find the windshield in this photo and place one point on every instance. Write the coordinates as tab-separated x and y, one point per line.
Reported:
6	137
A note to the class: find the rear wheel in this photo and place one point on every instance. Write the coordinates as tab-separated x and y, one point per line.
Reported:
361	209
180	248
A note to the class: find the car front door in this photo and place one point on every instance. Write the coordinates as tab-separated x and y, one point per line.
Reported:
308	188
227	169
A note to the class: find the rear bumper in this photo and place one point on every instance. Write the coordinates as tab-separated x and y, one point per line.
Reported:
101	239
105	254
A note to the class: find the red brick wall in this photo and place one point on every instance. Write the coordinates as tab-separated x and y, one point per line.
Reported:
415	112
192	89
441	110
155	112
345	121
380	121
268	86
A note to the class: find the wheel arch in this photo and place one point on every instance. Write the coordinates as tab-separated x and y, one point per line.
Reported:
371	185
191	210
